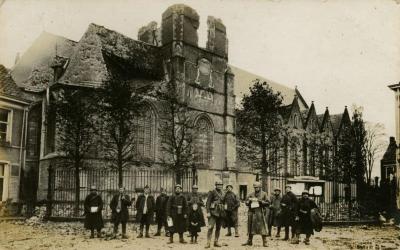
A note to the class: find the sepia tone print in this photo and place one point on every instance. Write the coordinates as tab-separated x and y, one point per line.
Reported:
134	124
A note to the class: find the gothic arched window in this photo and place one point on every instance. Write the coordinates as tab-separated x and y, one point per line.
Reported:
203	141
145	134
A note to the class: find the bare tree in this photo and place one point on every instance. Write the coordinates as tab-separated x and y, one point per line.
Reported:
374	146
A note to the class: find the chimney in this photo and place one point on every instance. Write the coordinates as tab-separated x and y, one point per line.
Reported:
59	64
217	41
17	56
150	34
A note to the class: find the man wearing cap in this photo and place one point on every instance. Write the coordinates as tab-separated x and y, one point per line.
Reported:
275	215
289	208
257	223
93	207
119	211
231	205
215	213
303	217
145	205
161	207
177	209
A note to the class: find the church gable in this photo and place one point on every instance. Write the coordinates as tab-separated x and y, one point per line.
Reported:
326	124
312	123
295	119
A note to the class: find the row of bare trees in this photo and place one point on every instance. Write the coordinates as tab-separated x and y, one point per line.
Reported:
106	120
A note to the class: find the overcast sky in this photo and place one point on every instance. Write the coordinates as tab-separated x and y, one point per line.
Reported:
337	52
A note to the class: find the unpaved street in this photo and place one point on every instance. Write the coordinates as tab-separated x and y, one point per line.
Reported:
23	236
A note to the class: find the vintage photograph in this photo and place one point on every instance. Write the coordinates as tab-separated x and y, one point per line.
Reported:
213	124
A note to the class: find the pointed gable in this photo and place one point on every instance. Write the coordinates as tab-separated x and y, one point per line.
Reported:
326	123
311	122
295	118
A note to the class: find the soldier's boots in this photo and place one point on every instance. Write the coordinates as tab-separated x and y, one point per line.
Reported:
171	239
208	245
147	234
92	234
124	236
307	241
249	242
216	244
181	240
236	232
99	234
140	235
229	232
158	233
264	239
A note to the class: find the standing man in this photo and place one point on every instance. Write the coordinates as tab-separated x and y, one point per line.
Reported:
303	217
93	207
275	215
257	222
289	208
119	211
231	205
145	211
177	209
215	213
161	207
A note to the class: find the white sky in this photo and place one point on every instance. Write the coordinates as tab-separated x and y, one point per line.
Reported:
338	52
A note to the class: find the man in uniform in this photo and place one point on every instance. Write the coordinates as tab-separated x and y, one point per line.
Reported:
145	211
231	204
289	208
177	209
119	211
275	215
93	218
257	222
161	207
215	213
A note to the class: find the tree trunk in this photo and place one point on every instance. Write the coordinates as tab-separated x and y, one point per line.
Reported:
120	173
77	189
264	163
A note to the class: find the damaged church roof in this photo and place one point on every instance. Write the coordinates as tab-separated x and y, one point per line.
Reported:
9	88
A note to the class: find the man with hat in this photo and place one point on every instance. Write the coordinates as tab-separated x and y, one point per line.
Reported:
161	207
303	217
195	198
93	207
177	209
215	213
119	211
275	215
231	206
289	207
145	205
257	223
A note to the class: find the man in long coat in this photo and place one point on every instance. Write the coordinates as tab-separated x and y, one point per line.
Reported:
145	206
276	212
257	223
231	203
93	207
119	211
305	225
215	213
177	209
161	207
289	207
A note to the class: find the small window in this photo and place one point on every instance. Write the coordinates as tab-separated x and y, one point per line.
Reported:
5	125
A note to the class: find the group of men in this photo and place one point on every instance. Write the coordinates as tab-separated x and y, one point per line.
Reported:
178	214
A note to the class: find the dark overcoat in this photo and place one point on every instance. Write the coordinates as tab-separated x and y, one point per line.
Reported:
123	215
305	225
231	203
178	219
195	198
150	208
257	222
93	220
195	221
161	207
275	217
289	208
